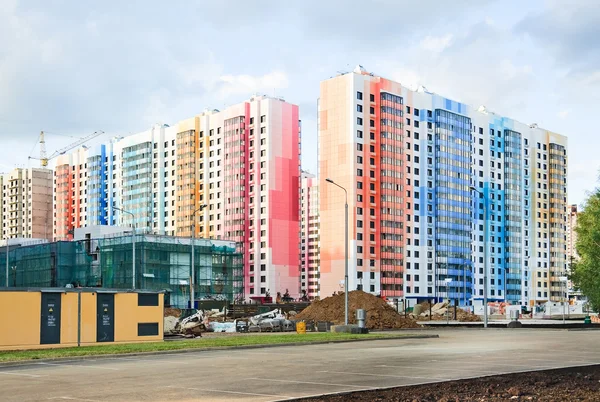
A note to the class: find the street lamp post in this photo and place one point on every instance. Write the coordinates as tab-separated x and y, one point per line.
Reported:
528	276
6	284
346	265
485	276
193	280
132	241
563	282
448	280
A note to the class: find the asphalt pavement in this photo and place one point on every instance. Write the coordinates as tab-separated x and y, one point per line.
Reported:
283	373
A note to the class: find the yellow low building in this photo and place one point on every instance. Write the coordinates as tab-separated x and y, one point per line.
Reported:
45	318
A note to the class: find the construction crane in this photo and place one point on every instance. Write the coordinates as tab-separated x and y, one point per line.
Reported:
44	158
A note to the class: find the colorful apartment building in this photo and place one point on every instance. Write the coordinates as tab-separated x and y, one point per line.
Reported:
431	183
309	236
26	204
130	173
242	163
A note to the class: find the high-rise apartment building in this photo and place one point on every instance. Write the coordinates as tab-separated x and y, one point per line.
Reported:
309	235
435	189
242	163
129	173
26	203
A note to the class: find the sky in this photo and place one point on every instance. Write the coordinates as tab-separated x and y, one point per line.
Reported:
72	68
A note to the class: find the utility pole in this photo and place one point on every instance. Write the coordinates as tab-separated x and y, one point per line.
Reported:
132	241
6	284
346	262
485	246
193	267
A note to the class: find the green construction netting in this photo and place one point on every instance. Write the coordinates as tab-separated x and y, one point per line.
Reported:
162	263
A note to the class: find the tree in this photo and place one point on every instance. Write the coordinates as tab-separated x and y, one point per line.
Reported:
585	273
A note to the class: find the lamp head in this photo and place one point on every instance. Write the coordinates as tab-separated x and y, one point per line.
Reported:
329	180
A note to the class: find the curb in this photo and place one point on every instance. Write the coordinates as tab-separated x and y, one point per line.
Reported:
209	349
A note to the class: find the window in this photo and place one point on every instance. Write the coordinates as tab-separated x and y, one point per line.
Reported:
359	134
359	121
372	98
359	108
359	95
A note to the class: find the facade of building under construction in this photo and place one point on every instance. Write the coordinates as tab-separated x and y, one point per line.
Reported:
162	263
26	204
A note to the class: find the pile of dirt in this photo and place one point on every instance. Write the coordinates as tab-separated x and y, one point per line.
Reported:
439	310
172	312
380	315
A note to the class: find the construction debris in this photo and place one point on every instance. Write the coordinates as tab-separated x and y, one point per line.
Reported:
442	311
380	315
215	321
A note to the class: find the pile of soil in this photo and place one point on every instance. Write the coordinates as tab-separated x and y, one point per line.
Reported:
461	315
380	315
172	312
568	384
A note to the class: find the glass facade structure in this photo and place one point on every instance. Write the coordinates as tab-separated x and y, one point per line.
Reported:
512	216
162	263
452	206
137	185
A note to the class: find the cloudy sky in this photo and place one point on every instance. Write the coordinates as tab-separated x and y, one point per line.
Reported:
73	67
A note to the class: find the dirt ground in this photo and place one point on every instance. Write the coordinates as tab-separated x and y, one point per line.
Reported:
570	384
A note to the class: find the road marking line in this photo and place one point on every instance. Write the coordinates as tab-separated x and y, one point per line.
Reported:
549	361
230	392
78	365
307	382
70	398
385	375
130	359
494	363
23	374
432	370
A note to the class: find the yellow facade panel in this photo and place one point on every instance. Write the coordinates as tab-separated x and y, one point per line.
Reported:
128	315
68	319
20	320
88	318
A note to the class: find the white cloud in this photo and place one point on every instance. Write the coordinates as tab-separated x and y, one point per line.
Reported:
436	43
564	113
592	78
245	84
510	70
87	66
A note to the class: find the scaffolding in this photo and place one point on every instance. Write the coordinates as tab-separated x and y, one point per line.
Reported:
162	263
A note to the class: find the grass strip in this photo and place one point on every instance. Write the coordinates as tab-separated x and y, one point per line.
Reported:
201	343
